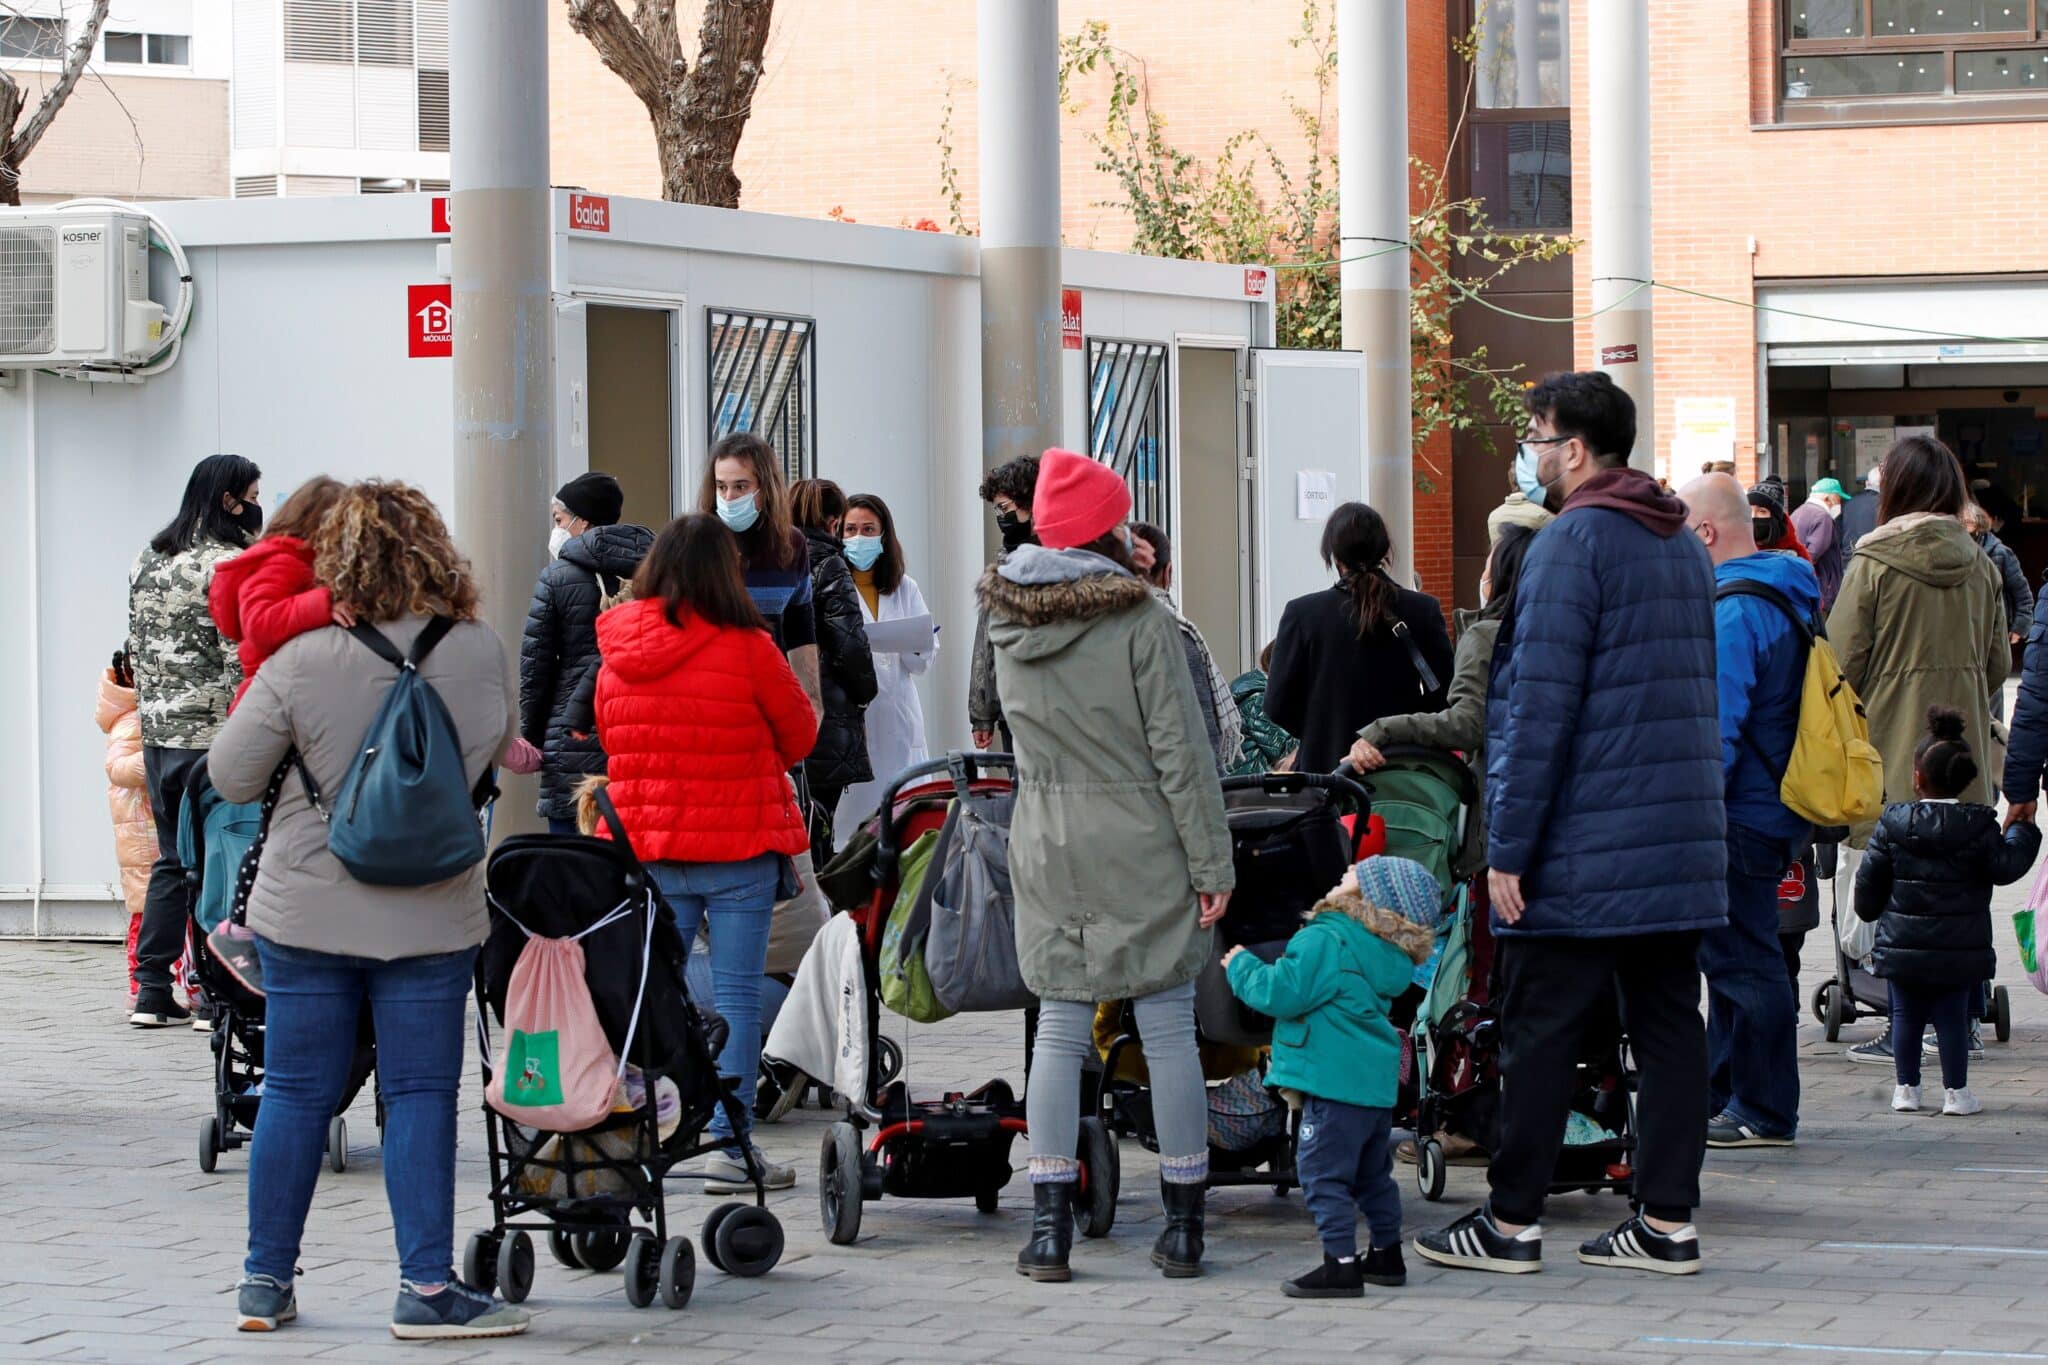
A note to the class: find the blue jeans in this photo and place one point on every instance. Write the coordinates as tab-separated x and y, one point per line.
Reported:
1346	1163
1752	1018
562	826
418	1004
739	901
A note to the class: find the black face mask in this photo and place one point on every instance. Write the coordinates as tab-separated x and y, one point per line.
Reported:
250	518
1015	530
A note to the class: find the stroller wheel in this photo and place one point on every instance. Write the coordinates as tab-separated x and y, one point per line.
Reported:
709	1236
889	1059
988	1200
209	1145
678	1272
1837	1012
600	1251
1820	1003
749	1242
480	1261
1096	1213
839	1188
2001	1015
1429	1169
337	1145
562	1246
643	1269
515	1267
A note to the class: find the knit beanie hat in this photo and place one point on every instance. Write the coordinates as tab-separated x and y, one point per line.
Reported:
1404	887
597	498
1078	500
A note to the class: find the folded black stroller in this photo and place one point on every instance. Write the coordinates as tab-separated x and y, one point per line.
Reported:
584	1190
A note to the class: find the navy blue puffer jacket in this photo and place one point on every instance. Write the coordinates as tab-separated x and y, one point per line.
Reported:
1604	778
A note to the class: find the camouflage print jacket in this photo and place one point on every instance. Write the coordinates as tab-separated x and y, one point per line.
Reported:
186	672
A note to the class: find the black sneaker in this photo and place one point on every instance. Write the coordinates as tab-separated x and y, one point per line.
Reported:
156	1007
1333	1279
1635	1245
1726	1130
454	1310
1384	1266
1878	1050
1474	1243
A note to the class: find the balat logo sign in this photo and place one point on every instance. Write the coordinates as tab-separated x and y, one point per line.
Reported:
590	213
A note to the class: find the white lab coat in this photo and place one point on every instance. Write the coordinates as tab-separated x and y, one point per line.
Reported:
895	720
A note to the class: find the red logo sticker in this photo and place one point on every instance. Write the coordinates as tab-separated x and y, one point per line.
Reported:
590	213
440	215
429	320
1618	355
1255	281
1070	319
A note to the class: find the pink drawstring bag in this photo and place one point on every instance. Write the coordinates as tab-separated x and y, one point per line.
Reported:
2023	930
554	1068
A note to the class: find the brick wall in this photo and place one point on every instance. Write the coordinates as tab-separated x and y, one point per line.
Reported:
1429	135
175	148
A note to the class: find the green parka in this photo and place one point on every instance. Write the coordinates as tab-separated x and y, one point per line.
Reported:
1119	818
1921	622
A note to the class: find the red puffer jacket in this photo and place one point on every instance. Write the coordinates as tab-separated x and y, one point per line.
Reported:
265	596
700	724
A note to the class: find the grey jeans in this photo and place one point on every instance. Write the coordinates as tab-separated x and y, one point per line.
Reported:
1066	1035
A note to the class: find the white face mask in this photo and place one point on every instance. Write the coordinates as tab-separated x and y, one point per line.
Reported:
557	538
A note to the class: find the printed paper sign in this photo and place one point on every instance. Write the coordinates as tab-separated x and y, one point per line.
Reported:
1070	319
1315	494
1871	444
590	213
1705	430
429	320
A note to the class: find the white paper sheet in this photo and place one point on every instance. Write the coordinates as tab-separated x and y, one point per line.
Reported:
908	636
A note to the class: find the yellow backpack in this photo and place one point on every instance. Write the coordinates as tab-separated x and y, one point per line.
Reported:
1835	776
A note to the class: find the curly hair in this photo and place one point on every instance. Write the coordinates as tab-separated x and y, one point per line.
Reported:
385	553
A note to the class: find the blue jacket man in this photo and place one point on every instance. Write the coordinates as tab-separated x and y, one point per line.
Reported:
1766	605
2026	754
1606	834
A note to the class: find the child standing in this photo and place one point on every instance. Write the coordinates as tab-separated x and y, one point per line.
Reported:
1332	1041
267	594
135	846
1926	879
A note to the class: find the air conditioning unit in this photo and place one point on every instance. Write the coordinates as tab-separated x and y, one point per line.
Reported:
74	291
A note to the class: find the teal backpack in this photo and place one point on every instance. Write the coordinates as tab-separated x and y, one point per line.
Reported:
214	836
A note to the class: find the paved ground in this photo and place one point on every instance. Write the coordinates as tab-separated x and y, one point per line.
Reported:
1877	1237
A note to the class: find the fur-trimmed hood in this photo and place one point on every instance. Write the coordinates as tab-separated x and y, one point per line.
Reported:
1410	937
1039	618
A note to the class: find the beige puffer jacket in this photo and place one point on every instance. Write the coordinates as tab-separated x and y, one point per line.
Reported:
127	789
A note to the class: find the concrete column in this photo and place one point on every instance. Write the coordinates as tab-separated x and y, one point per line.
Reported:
1372	211
1018	44
504	430
1618	39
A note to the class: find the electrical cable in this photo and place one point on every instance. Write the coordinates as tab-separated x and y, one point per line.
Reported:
179	319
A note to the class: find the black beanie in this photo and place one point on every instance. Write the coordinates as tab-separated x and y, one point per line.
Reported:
597	498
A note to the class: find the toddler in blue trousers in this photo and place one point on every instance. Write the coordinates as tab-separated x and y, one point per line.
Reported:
1334	1045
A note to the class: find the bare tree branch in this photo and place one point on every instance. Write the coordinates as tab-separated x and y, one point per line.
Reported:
656	20
23	142
622	47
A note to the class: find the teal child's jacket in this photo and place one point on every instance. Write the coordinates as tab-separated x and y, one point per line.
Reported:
1329	995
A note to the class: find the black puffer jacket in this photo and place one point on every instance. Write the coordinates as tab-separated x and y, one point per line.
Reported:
559	655
846	668
1926	879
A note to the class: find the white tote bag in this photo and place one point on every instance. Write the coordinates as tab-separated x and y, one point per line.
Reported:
1856	937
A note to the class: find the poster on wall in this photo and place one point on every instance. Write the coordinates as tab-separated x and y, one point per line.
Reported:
1703	430
1871	444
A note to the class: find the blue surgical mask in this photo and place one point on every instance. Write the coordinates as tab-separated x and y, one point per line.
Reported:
1526	457
863	551
740	514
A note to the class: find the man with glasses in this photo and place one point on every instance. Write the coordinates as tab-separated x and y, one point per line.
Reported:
1606	835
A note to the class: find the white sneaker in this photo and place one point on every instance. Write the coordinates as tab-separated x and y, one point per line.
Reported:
725	1174
1960	1103
1906	1099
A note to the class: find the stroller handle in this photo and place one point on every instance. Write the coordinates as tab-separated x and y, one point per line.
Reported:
963	765
1288	784
1467	784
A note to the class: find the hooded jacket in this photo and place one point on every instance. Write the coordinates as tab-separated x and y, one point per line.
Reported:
135	845
2019	602
846	667
1761	660
1461	726
1926	879
558	656
1603	754
1329	994
1119	818
1265	743
1920	623
264	596
702	724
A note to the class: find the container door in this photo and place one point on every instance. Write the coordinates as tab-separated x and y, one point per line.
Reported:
1308	457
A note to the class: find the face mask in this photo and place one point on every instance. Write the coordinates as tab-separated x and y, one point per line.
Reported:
740	514
1526	461
863	551
1015	530
1834	509
250	518
557	538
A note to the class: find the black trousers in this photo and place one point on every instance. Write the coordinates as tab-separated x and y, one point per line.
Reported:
1793	944
166	907
1555	992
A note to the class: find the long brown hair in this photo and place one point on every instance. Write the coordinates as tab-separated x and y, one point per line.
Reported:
815	504
385	553
888	569
695	567
770	542
1921	475
303	511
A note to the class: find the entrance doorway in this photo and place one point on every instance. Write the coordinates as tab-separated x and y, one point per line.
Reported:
631	368
1212	543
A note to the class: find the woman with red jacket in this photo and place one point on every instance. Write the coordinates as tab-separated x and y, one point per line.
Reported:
702	719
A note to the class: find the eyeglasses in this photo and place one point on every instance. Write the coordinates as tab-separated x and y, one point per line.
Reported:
1529	442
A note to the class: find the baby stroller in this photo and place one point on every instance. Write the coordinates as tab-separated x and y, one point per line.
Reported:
1853	991
956	1146
1289	846
583	1190
215	837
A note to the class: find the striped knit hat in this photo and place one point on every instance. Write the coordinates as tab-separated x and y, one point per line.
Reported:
1402	886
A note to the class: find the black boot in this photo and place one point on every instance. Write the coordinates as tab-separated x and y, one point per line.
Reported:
1052	1232
1383	1265
1178	1252
1333	1279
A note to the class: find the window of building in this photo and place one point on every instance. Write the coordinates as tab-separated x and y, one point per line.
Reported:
30	39
319	31
153	49
1127	422
1520	153
762	376
384	32
1912	60
433	87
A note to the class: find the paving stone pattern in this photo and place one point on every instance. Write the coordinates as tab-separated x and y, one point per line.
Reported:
1878	1237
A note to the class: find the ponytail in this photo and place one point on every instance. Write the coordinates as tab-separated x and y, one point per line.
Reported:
1943	760
1356	544
1373	595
